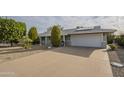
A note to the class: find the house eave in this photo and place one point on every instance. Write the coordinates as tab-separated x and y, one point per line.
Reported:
75	32
90	32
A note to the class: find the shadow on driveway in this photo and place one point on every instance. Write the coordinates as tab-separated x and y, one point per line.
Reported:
77	51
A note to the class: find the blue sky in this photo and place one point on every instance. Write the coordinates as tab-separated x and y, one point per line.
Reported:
43	22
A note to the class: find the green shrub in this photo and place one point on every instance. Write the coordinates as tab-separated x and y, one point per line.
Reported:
120	40
56	36
112	46
110	39
26	42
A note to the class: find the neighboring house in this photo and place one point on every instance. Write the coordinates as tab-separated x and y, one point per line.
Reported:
80	36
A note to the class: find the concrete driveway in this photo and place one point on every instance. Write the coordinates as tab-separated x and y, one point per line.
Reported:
68	61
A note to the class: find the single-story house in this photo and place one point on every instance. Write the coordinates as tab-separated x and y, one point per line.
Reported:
80	36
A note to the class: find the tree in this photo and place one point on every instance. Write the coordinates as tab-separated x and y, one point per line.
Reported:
20	31
22	28
26	42
56	36
8	30
11	31
33	35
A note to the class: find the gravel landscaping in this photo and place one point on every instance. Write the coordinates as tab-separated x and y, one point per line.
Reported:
118	57
11	53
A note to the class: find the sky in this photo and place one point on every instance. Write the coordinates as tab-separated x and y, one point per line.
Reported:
43	22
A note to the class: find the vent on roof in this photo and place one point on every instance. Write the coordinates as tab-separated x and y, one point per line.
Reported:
97	27
78	28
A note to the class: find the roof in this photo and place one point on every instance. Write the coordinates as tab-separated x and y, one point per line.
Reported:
64	32
82	30
93	31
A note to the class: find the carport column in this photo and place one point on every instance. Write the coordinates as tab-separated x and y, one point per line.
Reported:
64	39
40	40
46	41
104	40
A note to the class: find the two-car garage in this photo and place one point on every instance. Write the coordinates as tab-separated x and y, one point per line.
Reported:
87	40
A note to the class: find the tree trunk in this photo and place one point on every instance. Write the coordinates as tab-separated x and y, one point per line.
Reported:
11	43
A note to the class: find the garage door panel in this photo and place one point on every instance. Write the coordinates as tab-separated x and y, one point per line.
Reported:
89	40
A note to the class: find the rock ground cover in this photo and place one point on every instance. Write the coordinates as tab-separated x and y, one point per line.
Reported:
117	56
